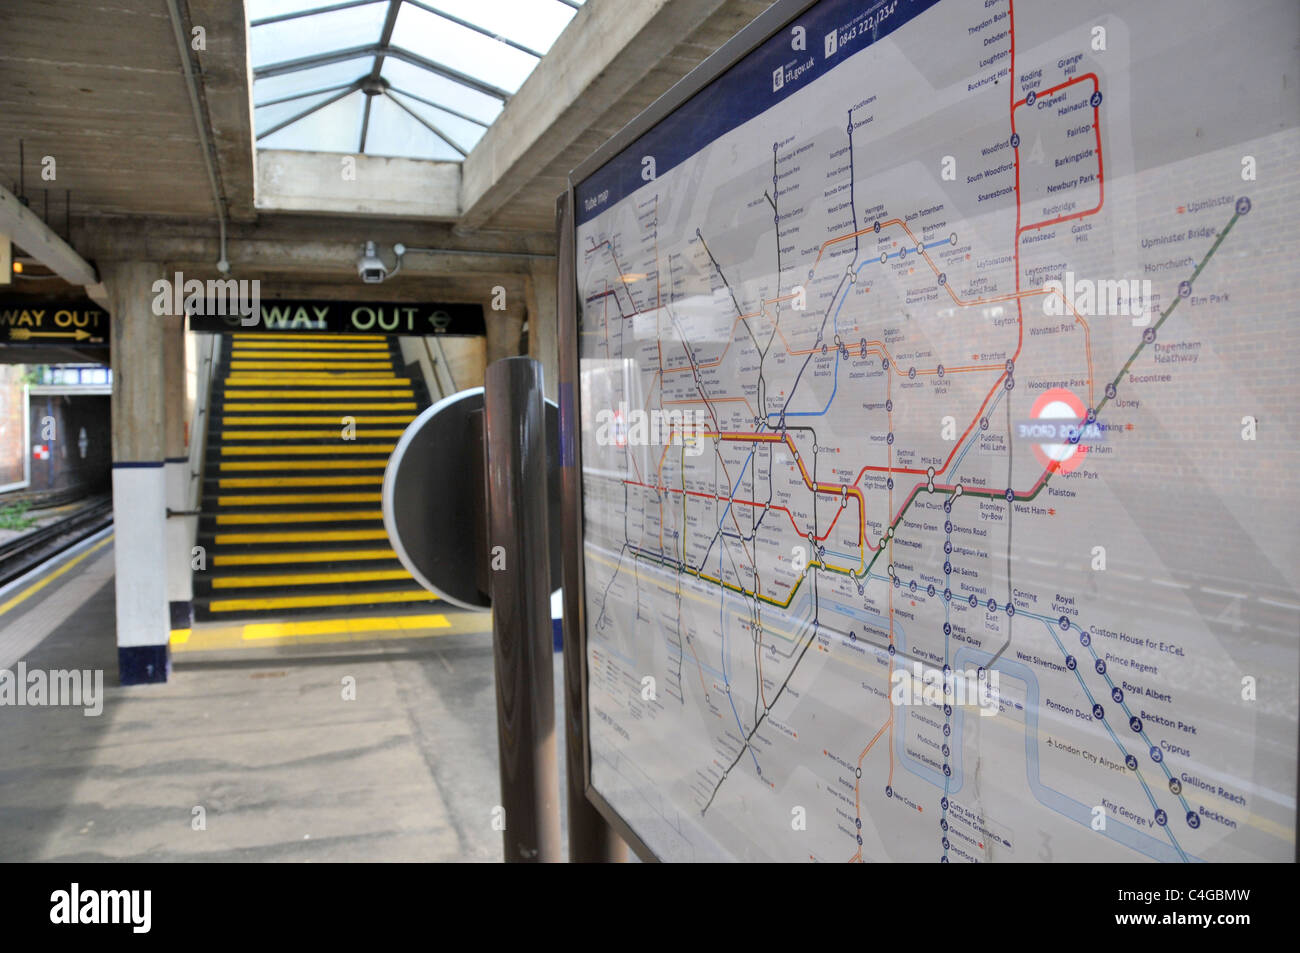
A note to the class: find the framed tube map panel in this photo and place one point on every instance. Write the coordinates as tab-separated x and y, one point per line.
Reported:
932	390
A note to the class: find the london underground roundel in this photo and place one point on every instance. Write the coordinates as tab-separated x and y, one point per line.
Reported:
1063	430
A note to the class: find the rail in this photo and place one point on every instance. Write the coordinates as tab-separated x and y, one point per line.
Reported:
209	354
20	555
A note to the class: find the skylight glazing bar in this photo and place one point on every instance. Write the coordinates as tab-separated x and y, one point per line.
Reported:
406	56
365	126
385	40
447	109
302	115
280	18
426	124
314	92
316	59
476	28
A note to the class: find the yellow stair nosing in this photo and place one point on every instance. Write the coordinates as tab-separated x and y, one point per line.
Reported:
242	466
319	601
248	483
246	407
377	449
322	516
309	578
333	432
304	536
291	499
301	556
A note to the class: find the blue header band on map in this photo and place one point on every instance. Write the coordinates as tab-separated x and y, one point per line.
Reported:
748	89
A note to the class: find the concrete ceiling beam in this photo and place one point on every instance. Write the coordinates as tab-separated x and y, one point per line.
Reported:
323	182
25	228
600	57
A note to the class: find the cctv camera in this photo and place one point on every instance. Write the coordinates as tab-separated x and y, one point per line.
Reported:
371	269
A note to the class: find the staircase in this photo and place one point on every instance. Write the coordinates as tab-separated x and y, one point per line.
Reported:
300	430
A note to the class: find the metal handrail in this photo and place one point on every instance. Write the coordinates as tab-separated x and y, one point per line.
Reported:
198	426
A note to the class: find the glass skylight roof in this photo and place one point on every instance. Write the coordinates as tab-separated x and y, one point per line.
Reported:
420	79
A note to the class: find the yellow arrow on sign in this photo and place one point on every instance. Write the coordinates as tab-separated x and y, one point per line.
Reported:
24	334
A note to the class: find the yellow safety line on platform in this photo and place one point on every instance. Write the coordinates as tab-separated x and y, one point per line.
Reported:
282	499
293	556
271	630
245	483
307	536
310	578
323	600
227	635
243	519
46	580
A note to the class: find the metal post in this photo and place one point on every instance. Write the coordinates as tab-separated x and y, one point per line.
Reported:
518	552
591	839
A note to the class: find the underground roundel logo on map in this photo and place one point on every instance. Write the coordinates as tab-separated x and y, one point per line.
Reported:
1059	427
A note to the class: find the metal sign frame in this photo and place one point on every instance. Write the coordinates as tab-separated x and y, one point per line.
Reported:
770	22
773	20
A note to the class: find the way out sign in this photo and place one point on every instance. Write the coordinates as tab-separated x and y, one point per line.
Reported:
349	317
45	323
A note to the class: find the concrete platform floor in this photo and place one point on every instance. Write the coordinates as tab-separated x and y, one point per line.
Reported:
257	735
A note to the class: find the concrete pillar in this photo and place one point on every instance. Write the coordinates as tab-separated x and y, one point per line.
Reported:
139	480
180	595
543	344
505	327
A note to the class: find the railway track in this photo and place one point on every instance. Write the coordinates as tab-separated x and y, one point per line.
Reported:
19	556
